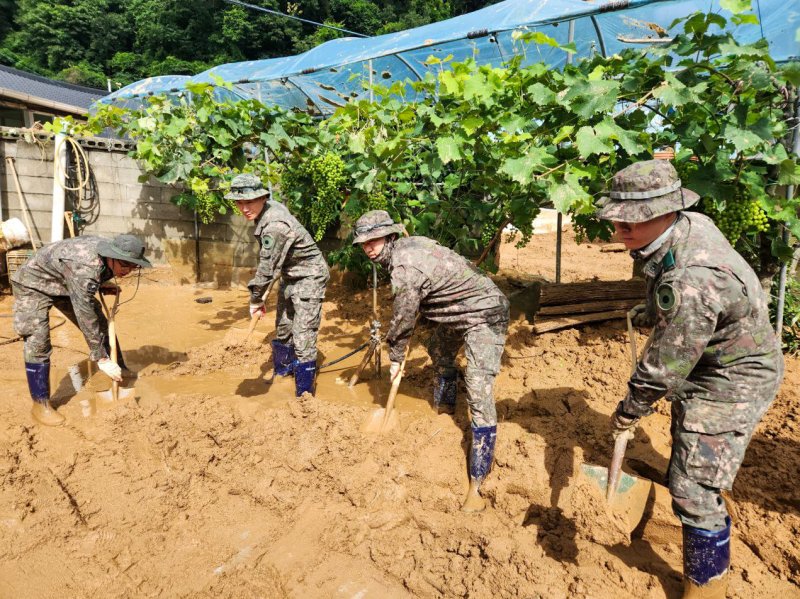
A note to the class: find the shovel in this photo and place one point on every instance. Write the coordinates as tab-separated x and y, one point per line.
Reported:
385	419
116	392
626	495
236	336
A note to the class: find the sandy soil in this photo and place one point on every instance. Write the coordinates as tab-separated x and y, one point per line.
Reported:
212	483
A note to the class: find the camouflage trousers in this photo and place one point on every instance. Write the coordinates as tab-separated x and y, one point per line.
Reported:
709	440
483	347
31	322
297	321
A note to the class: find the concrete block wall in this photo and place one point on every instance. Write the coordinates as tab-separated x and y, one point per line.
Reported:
123	204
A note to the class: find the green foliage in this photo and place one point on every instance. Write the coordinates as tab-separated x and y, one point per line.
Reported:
83	73
790	337
460	155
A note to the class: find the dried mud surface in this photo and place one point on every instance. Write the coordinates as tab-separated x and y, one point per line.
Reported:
212	483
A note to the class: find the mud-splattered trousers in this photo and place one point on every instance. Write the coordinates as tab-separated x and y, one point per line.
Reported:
714	355
31	322
465	306
287	250
297	320
483	348
66	274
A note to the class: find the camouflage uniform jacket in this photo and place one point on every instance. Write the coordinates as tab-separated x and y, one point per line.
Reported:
442	286
288	250
71	268
712	338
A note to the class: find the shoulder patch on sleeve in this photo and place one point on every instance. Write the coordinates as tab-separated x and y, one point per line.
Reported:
667	297
267	242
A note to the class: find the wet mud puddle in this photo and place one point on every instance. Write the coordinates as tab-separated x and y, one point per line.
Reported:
248	388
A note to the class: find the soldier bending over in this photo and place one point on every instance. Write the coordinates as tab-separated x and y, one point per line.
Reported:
67	274
467	308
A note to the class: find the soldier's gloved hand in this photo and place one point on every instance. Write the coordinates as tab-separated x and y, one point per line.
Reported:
622	423
258	308
109	289
113	370
394	370
638	316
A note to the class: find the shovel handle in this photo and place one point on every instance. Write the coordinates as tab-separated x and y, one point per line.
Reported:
364	362
253	322
620	444
393	392
112	338
634	351
257	316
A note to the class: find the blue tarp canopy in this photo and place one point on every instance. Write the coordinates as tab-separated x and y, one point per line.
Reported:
322	78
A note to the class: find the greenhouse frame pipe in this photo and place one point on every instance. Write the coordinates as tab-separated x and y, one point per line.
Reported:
559	217
304	92
785	235
408	65
601	40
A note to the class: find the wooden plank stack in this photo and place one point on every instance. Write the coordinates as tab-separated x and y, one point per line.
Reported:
552	306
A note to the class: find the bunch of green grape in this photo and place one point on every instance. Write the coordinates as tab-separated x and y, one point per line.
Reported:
377	201
488	231
327	176
741	216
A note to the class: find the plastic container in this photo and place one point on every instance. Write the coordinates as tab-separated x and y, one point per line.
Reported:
13	234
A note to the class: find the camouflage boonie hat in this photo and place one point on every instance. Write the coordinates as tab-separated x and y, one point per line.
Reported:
643	191
127	248
375	224
246	187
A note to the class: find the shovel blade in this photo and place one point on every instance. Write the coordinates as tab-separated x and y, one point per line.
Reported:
122	393
630	500
376	421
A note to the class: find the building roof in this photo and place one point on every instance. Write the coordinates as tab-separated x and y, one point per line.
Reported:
41	91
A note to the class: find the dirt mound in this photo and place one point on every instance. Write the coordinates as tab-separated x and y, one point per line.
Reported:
214	356
227	489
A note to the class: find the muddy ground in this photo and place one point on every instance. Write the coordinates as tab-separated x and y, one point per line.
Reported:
212	483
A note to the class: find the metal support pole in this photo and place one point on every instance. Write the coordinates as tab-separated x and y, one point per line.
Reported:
60	166
269	172
785	234
371	93
196	248
559	218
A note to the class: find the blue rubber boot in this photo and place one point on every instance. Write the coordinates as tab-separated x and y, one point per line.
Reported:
304	373
283	357
444	393
481	456
39	387
706	562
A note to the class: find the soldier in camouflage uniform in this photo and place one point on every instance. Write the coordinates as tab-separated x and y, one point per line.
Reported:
67	274
286	250
712	353
467	308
